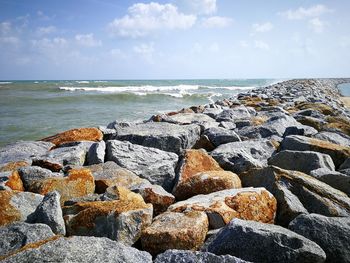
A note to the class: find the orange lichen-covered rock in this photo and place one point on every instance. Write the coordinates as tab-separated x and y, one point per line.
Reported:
206	183
12	166
255	204
74	135
122	219
175	231
79	182
15	182
321	107
338	122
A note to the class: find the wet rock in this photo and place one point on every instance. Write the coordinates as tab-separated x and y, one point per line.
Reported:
332	234
175	231
79	249
17	235
17	206
11	181
258	242
303	161
220	136
333	137
96	153
23	151
222	206
121	220
335	179
161	135
155	165
242	156
75	135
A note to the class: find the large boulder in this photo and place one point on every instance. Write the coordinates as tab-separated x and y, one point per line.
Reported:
234	114
222	206
175	231
258	242
334	137
218	136
78	249
96	153
242	156
23	151
301	143
332	234
337	180
155	165
122	219
17	235
161	135
298	193
188	118
30	174
75	135
17	206
302	161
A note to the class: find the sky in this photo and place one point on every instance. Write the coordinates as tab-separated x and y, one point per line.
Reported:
174	39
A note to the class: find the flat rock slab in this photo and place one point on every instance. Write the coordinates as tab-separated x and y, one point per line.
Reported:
219	135
302	161
333	137
332	234
155	165
175	256
24	151
17	235
175	231
258	242
121	220
75	135
17	206
298	193
222	206
79	249
242	156
161	135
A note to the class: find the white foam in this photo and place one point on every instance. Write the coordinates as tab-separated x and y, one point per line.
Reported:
100	81
82	81
5	82
231	87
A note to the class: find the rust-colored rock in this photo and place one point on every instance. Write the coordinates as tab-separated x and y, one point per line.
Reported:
175	231
255	204
79	182
12	166
75	135
206	183
339	122
320	107
8	213
15	182
48	164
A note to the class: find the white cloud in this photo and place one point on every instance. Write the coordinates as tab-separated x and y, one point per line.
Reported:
302	13
261	45
5	27
46	30
199	7
146	51
88	40
47	44
243	44
216	22
9	40
317	25
262	28
214	47
145	18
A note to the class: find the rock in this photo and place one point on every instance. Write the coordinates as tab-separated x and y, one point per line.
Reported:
258	242
332	234
161	135
299	130
49	212
300	143
78	249
220	136
302	161
242	156
17	235
175	256
155	165
75	135
96	153
335	179
345	164
315	123
222	206
227	125
212	112
121	220
17	206
23	151
333	137
12	166
52	165
30	174
79	182
320	107
204	143
206	183
234	114
11	181
175	231
339	123
298	193
189	118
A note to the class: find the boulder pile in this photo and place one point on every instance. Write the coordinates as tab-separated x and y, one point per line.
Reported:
263	176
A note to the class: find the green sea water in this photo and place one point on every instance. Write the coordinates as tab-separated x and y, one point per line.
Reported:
30	110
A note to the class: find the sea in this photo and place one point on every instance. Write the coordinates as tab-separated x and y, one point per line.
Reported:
30	110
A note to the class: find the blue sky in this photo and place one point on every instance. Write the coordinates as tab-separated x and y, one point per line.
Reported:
105	39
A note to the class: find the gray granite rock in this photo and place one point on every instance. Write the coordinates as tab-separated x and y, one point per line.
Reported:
300	130
155	165
218	136
234	114
303	161
96	153
258	242
176	256
80	249
334	137
30	174
212	112
345	164
189	118
332	234
19	234
337	180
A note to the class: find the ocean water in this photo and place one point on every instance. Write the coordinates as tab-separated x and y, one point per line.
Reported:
345	89
30	110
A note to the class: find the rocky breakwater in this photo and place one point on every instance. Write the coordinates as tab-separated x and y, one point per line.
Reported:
261	177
